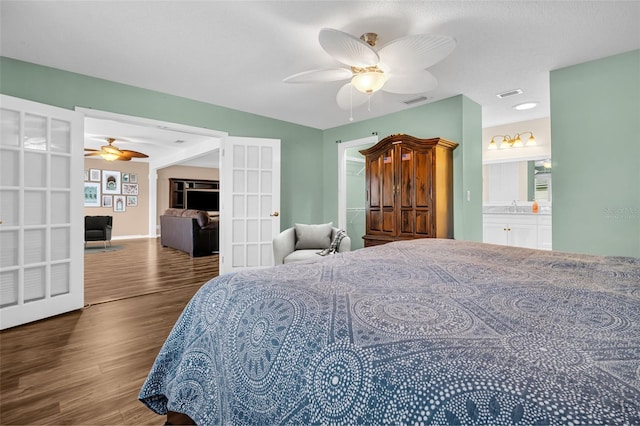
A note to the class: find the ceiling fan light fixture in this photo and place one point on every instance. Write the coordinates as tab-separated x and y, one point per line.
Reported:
369	81
111	150
109	156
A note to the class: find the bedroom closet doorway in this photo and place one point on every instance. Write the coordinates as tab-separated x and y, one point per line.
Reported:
351	188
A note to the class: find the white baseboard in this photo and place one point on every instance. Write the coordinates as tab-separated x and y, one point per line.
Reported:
131	237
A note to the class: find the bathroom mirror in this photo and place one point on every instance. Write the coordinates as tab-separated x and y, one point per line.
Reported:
517	181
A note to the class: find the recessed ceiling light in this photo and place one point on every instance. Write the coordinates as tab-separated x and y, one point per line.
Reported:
526	105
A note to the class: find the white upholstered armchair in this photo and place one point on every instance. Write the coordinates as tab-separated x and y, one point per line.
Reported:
302	242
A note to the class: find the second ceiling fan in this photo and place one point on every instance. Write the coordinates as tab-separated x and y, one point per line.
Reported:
111	153
398	66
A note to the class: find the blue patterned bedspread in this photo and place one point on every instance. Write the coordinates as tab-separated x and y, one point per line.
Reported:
424	332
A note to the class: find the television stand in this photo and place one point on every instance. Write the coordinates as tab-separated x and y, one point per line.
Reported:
178	189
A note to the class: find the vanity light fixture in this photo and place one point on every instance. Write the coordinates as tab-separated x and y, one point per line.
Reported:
512	142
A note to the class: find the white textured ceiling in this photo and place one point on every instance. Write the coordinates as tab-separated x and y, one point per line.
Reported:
236	53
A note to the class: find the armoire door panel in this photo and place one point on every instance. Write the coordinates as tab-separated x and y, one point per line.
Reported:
388	221
423	178
406	177
423	221
374	221
388	192
374	182
406	222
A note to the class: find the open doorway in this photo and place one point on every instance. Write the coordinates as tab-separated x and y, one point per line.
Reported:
171	148
351	188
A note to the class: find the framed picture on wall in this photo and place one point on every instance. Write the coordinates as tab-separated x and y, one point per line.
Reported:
110	182
125	178
133	178
132	200
119	203
94	175
107	201
91	194
130	188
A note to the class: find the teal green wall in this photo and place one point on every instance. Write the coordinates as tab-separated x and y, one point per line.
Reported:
307	153
468	174
300	148
457	119
595	128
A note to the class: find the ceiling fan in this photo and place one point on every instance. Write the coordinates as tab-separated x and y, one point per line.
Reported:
398	66
112	153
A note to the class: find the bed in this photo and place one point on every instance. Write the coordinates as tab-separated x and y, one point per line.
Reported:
421	332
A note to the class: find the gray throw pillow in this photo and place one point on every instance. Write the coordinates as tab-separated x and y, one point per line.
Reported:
313	236
203	218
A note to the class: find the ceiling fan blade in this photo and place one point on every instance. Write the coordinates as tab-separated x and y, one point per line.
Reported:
91	149
349	97
416	52
320	76
410	82
123	158
347	49
92	154
132	154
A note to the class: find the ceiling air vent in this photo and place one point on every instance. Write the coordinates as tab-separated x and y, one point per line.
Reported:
509	93
415	100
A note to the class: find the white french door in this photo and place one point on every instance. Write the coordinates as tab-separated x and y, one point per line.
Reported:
41	224
250	208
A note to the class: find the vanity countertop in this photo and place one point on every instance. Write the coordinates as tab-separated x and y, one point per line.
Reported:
515	210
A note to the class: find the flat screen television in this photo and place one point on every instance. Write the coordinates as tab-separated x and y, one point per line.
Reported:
203	199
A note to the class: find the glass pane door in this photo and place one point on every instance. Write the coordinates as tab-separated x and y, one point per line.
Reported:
250	210
41	262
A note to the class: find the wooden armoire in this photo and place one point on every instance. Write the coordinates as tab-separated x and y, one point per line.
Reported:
409	184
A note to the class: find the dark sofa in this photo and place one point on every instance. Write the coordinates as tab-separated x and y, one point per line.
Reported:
192	231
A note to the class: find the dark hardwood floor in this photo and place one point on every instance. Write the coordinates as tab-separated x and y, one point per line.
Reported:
86	367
